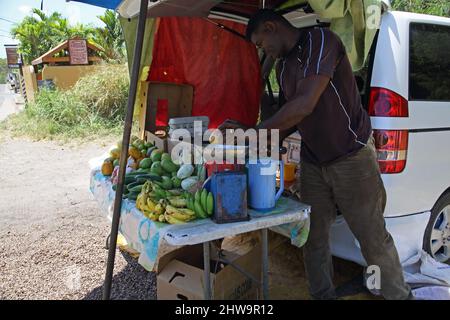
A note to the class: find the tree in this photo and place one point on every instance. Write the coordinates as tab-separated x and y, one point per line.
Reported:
434	7
38	33
110	38
3	70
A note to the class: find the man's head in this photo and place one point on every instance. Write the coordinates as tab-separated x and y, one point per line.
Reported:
266	30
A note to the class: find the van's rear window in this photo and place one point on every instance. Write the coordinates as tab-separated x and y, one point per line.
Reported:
429	77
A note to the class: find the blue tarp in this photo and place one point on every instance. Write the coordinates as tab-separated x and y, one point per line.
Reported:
108	4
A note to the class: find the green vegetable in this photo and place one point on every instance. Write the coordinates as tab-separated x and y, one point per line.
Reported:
156	155
168	165
157	168
166	183
145	163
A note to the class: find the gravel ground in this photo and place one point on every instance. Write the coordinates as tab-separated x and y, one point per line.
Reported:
52	235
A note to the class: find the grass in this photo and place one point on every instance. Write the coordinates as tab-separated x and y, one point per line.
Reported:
94	107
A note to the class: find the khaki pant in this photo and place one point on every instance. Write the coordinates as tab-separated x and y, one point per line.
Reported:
354	186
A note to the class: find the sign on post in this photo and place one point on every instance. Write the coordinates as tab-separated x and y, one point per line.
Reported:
12	57
78	51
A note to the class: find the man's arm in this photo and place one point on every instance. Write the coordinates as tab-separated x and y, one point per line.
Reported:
296	109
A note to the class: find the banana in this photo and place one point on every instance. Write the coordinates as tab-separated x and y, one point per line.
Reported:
183	215
199	210
162	218
172	220
197	195
151	205
210	204
159	209
178	202
203	197
153	216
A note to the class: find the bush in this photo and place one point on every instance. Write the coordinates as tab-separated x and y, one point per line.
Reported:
94	106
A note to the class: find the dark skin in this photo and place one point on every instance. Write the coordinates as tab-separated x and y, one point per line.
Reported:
277	39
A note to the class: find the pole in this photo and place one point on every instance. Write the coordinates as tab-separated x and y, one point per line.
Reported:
125	144
206	271
265	264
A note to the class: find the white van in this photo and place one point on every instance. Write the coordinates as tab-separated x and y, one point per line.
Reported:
408	98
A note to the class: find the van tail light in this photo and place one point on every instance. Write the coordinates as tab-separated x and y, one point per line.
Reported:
391	146
386	103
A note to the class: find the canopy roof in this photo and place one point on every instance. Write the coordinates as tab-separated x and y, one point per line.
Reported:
161	8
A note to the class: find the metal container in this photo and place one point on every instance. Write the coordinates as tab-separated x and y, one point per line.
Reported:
229	189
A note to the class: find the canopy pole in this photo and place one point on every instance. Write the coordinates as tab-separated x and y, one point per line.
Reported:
124	152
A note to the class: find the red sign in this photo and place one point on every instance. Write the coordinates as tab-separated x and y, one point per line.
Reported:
78	51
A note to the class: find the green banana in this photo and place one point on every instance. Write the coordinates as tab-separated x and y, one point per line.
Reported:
199	210
203	197
210	204
197	195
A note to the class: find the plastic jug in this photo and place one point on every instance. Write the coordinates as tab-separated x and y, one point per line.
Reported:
262	195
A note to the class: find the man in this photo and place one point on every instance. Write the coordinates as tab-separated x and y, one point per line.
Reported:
339	169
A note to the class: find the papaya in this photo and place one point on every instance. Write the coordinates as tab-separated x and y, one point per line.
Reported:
169	166
156	155
145	163
165	155
157	168
107	168
115	153
134	152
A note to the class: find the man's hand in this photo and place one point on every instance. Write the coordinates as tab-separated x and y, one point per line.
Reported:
232	124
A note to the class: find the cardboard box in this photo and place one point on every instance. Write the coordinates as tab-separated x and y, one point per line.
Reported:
173	100
181	275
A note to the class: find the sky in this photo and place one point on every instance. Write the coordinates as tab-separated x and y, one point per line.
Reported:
16	10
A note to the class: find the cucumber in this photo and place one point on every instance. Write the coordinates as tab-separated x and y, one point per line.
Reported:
151	177
129	179
135	189
133	196
132	185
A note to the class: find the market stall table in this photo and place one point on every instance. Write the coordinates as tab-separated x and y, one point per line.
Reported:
154	239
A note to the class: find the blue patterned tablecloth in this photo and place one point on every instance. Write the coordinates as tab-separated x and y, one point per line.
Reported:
149	238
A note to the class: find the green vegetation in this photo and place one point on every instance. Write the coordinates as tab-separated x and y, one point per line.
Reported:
39	32
94	107
434	7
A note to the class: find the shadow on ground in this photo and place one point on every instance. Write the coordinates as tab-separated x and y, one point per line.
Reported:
133	282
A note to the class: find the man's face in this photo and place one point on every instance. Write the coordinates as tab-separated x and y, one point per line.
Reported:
266	36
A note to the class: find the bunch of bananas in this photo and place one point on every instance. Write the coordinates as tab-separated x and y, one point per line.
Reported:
202	202
161	205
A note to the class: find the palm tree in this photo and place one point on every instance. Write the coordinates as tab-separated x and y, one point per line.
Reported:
110	38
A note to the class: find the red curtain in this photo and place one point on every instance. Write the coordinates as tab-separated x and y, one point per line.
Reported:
222	67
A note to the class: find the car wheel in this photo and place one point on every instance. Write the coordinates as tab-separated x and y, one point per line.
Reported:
437	234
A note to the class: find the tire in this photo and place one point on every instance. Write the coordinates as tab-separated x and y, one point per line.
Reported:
436	240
